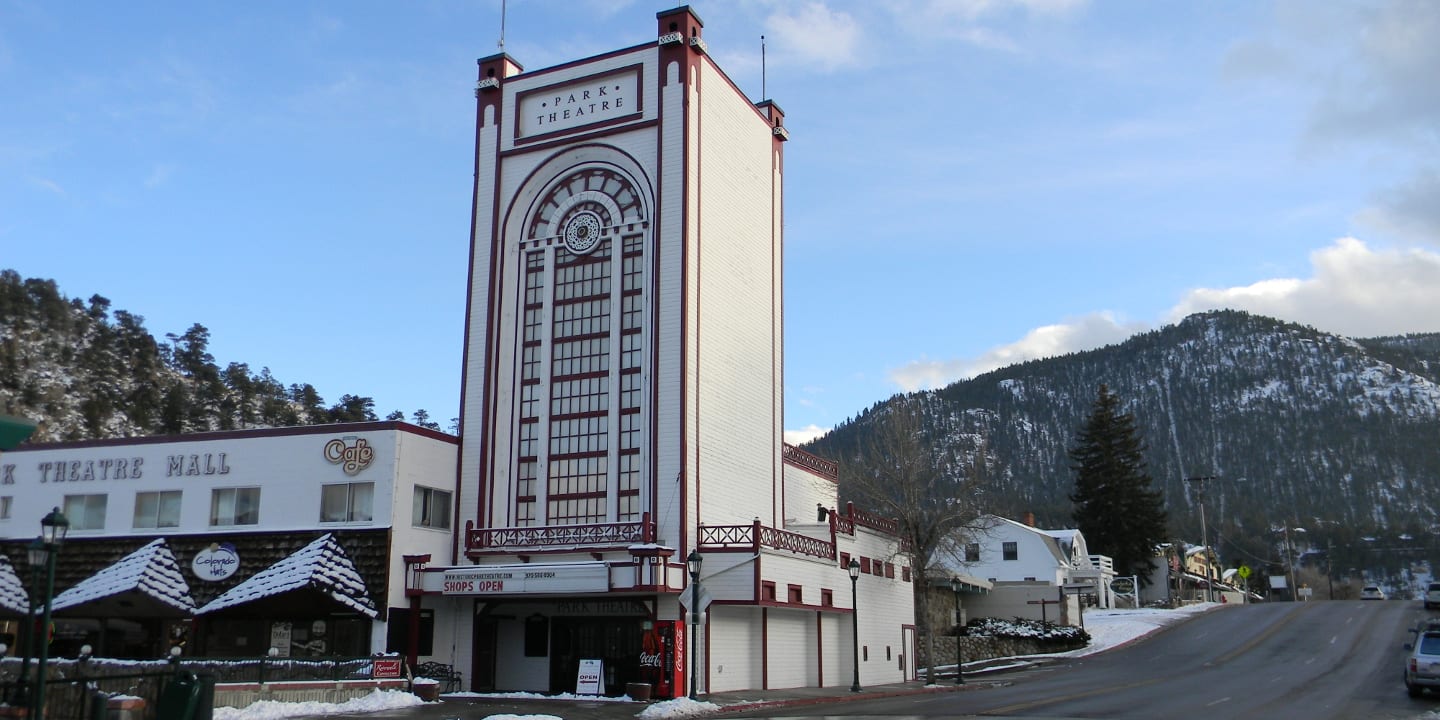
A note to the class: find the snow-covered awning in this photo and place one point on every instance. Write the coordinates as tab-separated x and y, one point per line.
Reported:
150	575
321	566
12	594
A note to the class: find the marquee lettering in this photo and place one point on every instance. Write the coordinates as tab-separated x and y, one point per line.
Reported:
199	464
83	470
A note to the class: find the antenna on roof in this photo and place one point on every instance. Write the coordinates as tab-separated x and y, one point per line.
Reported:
763	96
501	44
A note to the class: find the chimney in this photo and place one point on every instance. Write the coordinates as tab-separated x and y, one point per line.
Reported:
1030	519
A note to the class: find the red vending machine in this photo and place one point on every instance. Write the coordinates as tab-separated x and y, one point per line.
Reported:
663	659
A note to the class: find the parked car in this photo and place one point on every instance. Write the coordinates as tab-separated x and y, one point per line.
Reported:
1432	595
1372	592
1422	665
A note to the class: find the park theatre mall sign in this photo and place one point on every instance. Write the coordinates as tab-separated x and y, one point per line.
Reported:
527	579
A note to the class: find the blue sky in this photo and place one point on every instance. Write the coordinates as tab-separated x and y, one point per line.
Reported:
970	183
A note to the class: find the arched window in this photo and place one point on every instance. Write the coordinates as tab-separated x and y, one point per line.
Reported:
582	337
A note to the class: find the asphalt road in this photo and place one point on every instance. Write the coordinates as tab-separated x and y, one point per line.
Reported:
1321	660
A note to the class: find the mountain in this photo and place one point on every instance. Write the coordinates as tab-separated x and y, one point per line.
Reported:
1303	428
84	373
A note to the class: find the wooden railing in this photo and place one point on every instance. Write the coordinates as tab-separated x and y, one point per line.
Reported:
754	536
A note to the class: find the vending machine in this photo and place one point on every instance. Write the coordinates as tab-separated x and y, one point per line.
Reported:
662	659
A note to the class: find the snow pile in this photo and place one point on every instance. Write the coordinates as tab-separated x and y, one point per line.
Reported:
272	710
681	707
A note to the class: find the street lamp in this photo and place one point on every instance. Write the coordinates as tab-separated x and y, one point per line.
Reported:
959	656
854	569
692	564
52	534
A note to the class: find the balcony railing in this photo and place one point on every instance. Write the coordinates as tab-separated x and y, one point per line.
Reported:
754	536
559	537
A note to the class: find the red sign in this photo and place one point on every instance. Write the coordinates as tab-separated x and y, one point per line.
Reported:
386	668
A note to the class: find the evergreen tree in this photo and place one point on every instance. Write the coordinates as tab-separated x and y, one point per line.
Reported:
1116	508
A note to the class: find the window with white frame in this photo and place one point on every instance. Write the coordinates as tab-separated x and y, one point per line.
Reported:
235	506
431	508
1010	550
86	512
972	552
347	502
159	509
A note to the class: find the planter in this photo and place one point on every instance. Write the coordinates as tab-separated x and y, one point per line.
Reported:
639	692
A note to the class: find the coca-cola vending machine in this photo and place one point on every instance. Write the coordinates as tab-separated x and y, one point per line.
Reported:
662	658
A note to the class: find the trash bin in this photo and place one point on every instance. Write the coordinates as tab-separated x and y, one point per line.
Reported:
639	692
179	699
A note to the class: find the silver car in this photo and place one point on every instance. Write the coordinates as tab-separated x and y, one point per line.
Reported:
1432	595
1422	665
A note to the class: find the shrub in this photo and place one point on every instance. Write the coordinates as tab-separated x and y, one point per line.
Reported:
1045	633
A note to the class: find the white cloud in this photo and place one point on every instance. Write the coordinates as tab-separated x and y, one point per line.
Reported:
814	34
805	434
48	184
1084	333
1410	209
1353	291
159	175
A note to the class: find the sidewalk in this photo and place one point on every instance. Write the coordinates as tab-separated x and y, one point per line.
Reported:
476	707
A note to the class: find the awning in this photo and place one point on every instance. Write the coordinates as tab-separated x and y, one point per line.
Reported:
144	583
968	583
322	566
12	594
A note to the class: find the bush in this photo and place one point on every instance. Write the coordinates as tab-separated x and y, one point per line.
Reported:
1045	633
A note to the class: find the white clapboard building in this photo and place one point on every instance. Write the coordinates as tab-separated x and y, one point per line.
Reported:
622	400
228	544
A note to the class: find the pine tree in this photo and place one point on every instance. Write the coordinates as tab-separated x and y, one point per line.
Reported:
1116	508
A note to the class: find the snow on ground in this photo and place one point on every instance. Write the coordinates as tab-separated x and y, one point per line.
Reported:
272	710
1109	628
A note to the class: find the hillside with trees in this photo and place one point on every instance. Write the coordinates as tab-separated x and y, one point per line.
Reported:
1302	428
86	371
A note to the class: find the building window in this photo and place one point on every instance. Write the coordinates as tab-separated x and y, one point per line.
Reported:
431	508
5	507
767	590
85	512
397	631
972	552
235	506
157	509
795	594
827	598
1010	551
347	502
845	561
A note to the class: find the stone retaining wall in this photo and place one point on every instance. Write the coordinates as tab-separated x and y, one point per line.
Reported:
984	648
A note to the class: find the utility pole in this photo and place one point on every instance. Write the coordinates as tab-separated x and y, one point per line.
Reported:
1204	535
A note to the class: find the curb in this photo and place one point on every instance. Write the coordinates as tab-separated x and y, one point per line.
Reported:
790	702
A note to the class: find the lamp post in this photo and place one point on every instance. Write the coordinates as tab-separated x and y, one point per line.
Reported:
52	534
959	627
692	564
854	569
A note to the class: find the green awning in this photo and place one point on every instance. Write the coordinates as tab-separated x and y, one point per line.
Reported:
14	430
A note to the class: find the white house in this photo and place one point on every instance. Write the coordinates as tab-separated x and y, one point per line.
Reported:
1029	570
